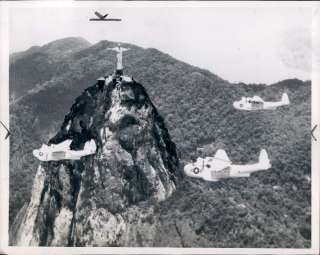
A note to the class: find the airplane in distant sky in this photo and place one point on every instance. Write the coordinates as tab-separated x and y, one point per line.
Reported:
221	167
102	17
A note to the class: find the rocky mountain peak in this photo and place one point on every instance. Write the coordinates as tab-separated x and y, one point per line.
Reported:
135	167
197	106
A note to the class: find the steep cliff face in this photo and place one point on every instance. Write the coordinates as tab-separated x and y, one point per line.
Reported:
269	209
110	198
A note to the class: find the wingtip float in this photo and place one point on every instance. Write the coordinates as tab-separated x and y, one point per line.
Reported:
220	167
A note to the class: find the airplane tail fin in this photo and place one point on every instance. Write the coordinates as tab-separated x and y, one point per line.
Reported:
90	147
285	98
99	15
264	159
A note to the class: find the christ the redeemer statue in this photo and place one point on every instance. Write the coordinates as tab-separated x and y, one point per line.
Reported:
119	50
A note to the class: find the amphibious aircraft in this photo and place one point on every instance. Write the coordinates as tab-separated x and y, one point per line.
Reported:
257	103
220	167
62	151
102	17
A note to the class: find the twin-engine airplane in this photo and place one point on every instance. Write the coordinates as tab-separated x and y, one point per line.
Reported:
102	17
257	103
220	167
62	151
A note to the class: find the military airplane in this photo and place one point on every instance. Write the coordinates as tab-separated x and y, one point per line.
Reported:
102	17
220	167
257	103
62	151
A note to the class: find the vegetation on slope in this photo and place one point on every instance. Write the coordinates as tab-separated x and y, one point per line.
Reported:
269	209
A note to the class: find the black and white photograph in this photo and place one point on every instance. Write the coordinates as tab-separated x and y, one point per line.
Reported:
161	125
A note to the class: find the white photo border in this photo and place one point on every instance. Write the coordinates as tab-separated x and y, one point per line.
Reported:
4	144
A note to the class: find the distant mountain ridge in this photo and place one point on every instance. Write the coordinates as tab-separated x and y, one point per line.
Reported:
44	60
64	46
197	110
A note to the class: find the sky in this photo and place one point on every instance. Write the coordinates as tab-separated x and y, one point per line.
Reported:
239	44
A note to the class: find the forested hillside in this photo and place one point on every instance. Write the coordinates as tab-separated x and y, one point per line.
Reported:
269	209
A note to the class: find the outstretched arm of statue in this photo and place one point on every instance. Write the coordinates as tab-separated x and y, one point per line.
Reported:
114	49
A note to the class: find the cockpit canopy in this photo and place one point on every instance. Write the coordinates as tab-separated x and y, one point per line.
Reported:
253	101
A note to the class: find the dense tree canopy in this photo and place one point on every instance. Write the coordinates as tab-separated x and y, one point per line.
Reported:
269	209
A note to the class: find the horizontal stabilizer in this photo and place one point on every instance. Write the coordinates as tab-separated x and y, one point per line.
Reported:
65	145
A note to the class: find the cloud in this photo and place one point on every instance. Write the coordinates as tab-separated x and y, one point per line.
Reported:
295	50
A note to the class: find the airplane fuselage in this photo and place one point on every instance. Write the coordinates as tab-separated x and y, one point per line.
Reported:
62	151
231	171
273	105
220	167
256	103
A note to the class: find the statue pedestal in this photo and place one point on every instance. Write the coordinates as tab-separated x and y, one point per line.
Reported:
119	72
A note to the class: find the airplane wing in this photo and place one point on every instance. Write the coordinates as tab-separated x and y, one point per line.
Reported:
257	98
65	145
100	15
114	49
219	161
113	19
221	155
